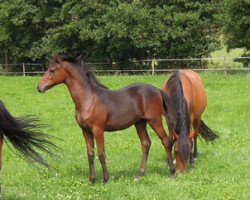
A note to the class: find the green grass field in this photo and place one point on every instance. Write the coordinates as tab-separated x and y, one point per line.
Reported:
222	170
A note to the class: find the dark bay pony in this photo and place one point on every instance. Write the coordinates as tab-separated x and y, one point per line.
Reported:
185	88
23	134
99	109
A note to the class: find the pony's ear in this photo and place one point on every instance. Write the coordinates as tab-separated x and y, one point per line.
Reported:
57	59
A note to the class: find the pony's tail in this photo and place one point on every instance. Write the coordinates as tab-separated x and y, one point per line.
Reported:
22	133
206	133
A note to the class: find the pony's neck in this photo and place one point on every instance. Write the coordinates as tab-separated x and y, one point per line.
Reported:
80	90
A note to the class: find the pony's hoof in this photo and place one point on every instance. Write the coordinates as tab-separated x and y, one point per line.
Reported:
172	173
92	180
105	179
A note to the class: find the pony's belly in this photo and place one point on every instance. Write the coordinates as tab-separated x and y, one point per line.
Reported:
116	128
120	123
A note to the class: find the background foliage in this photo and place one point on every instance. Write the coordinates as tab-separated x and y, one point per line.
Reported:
119	31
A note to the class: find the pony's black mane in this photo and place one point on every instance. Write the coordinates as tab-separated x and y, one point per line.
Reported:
85	69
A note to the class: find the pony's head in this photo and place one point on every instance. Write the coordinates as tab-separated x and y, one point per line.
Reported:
54	75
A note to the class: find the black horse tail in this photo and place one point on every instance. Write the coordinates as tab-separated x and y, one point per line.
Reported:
180	106
206	133
22	133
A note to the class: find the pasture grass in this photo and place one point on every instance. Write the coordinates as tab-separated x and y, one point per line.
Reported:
222	170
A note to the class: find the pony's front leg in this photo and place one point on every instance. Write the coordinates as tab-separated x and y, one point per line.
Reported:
91	154
99	137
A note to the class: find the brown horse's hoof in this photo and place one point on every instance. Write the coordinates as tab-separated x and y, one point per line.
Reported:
195	155
191	162
142	173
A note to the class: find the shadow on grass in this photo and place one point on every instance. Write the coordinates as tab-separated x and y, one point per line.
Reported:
117	175
157	168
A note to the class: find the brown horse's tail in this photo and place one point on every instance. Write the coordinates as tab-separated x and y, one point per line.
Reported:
22	133
206	133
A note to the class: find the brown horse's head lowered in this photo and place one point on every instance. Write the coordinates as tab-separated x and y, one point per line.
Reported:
187	93
99	109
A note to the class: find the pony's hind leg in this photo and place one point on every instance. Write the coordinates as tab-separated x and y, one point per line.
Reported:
197	123
157	126
91	154
145	143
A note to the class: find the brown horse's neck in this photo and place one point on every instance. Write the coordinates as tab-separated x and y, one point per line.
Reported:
79	88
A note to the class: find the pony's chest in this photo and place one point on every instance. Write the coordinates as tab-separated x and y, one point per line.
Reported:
84	121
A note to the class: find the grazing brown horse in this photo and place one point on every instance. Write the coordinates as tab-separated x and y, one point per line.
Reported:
23	134
99	109
185	88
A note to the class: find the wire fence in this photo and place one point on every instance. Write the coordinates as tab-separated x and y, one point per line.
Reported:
149	66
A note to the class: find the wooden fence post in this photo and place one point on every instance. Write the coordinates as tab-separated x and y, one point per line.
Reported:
225	65
153	63
23	69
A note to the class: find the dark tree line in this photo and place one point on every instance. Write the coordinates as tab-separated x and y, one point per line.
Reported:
120	30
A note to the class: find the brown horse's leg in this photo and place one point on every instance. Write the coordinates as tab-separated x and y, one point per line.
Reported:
99	137
191	157
91	154
195	154
158	128
145	143
1	158
196	128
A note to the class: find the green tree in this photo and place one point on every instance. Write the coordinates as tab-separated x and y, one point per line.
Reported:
104	30
124	30
236	26
23	23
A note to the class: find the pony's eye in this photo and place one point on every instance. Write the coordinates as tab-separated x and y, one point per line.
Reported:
51	70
